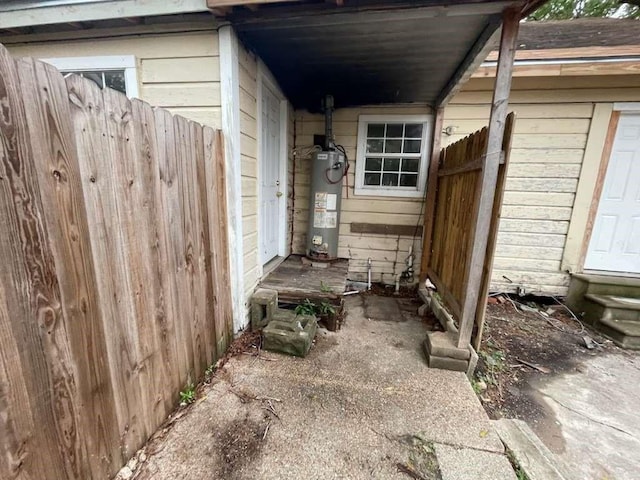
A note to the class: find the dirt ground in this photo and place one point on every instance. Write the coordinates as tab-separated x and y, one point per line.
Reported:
550	392
361	405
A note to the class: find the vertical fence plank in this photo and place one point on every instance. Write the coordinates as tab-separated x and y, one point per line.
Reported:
31	293
44	90
204	249
99	172
147	220
173	239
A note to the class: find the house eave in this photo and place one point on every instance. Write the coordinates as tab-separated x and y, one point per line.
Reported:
20	14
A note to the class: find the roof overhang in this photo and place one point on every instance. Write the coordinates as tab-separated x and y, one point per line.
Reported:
374	52
16	14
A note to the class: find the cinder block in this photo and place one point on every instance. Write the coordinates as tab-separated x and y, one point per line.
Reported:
444	363
283	315
444	344
264	303
293	338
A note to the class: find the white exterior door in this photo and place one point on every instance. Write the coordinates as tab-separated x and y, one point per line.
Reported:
270	182
615	240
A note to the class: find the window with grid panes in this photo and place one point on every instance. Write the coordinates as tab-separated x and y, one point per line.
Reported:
392	155
114	79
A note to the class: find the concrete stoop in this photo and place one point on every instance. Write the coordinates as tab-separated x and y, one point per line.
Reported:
282	330
533	457
610	304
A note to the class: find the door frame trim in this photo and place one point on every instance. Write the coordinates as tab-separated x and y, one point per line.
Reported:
265	77
612	130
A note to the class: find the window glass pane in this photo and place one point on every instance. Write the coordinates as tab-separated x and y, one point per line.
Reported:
372	179
373	164
391	164
393	146
374	146
390	179
412	146
93	76
394	130
115	80
413	130
408	180
375	130
410	164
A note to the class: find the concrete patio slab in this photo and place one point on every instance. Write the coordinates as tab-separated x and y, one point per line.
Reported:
341	412
470	464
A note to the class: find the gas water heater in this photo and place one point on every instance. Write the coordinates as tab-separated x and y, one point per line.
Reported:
328	168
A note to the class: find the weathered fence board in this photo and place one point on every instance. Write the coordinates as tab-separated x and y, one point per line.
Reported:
114	288
459	188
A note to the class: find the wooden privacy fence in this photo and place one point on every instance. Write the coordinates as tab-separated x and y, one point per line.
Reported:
114	278
458	195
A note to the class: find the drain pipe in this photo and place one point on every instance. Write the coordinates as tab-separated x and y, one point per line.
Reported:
369	273
398	283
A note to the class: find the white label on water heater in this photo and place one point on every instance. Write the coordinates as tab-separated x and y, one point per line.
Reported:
332	201
319	218
321	200
331	220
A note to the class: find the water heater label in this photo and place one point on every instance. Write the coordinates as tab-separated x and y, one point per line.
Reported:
331	220
319	218
332	201
321	200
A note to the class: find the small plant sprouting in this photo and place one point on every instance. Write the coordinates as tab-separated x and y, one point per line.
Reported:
188	395
306	308
326	309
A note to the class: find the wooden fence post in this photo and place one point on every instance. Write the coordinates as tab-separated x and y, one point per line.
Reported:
497	119
430	201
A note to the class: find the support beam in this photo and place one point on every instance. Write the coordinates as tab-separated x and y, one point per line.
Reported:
474	58
432	185
497	121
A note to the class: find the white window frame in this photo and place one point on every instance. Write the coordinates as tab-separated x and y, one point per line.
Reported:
412	192
101	63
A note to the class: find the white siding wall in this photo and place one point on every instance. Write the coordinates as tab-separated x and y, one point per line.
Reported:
552	126
387	252
180	72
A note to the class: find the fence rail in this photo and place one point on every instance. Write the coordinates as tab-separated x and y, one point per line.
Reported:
114	278
458	194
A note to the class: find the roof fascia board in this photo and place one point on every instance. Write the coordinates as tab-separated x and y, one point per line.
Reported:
94	11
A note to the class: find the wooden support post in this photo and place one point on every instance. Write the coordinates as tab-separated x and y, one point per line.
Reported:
497	119
432	186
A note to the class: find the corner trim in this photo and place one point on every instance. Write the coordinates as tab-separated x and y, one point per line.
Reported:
230	94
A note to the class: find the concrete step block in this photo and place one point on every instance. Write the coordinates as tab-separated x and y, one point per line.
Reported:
444	344
444	363
264	303
624	333
290	337
533	456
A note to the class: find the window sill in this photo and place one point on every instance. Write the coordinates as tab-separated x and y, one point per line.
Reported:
374	192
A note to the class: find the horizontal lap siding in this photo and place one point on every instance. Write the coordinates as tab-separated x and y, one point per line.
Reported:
552	126
180	72
387	252
248	74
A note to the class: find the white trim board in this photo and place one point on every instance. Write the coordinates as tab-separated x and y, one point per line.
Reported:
406	192
627	107
230	94
266	78
104	62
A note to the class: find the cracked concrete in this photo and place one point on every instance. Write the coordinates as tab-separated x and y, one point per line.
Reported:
342	412
596	410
